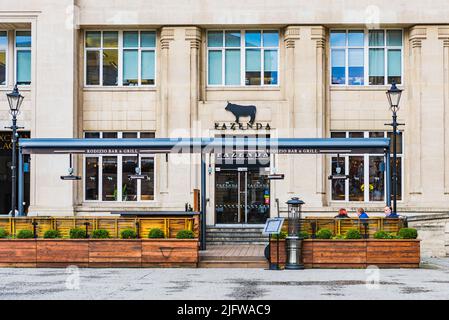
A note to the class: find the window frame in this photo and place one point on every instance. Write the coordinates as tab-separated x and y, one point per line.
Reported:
120	49
366	158
6	59
16	49
366	48
119	173
242	49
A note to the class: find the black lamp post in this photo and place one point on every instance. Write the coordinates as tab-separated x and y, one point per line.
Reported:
15	101
394	97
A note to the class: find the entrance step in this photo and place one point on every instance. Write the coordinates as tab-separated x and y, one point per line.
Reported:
235	235
233	256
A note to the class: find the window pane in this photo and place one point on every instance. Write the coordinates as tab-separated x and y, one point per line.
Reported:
148	68
338	185
129	187
147	135
130	67
92	135
147	186
338	66
394	37
24	67
253	67
394	66
376	135
109	135
398	141
356	135
252	39
376	66
399	175
338	38
3	40
130	39
215	74
376	38
110	69
376	179
148	39
2	67
356	38
356	179
215	39
338	134
232	38
232	67
109	178
91	179
270	67
93	39
356	64
270	39
93	67
23	39
129	135
110	39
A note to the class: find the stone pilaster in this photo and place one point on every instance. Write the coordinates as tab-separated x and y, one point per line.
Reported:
443	34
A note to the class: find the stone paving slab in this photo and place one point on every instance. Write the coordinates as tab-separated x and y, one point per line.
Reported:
429	282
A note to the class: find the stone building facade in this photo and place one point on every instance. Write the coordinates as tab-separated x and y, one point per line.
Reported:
145	69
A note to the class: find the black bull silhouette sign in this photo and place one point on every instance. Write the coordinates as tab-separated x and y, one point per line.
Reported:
242	111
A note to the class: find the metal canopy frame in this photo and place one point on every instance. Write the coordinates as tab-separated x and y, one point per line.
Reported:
203	146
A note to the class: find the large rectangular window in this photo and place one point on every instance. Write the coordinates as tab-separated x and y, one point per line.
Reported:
3	56
366	172
360	57
120	58
106	177
236	58
23	57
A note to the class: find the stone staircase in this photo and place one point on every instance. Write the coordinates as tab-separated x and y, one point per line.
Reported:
235	235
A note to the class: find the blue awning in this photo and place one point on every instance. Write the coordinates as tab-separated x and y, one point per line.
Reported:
203	145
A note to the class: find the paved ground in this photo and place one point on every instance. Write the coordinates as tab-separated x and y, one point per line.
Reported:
429	282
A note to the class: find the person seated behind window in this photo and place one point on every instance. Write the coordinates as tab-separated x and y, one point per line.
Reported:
361	213
342	213
389	213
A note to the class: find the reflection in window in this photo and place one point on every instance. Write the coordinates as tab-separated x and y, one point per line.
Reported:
356	178
129	187
92	178
376	178
338	185
23	57
110	67
109	178
147	186
399	175
3	48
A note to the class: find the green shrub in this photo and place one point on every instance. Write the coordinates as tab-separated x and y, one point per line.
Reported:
353	234
185	234
100	234
52	234
384	235
156	233
338	237
281	235
128	234
408	233
77	233
3	233
25	234
303	235
324	234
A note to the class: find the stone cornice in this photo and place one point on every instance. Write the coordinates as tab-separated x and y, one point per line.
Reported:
292	33
443	34
193	34
417	34
167	35
319	35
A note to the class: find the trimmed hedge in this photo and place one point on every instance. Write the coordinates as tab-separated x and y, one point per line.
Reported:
408	233
185	234
25	234
128	234
77	233
156	233
52	234
3	233
100	234
384	235
353	234
324	234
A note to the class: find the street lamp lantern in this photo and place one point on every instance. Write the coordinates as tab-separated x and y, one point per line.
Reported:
394	96
15	101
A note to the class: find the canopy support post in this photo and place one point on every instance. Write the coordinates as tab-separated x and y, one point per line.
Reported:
21	184
203	202
388	177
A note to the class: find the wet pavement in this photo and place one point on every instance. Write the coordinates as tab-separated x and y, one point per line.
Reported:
429	282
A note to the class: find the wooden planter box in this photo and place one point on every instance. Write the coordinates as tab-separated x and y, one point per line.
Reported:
355	253
99	253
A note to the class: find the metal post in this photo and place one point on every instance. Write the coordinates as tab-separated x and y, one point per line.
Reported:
14	166
388	177
395	177
21	183
203	203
